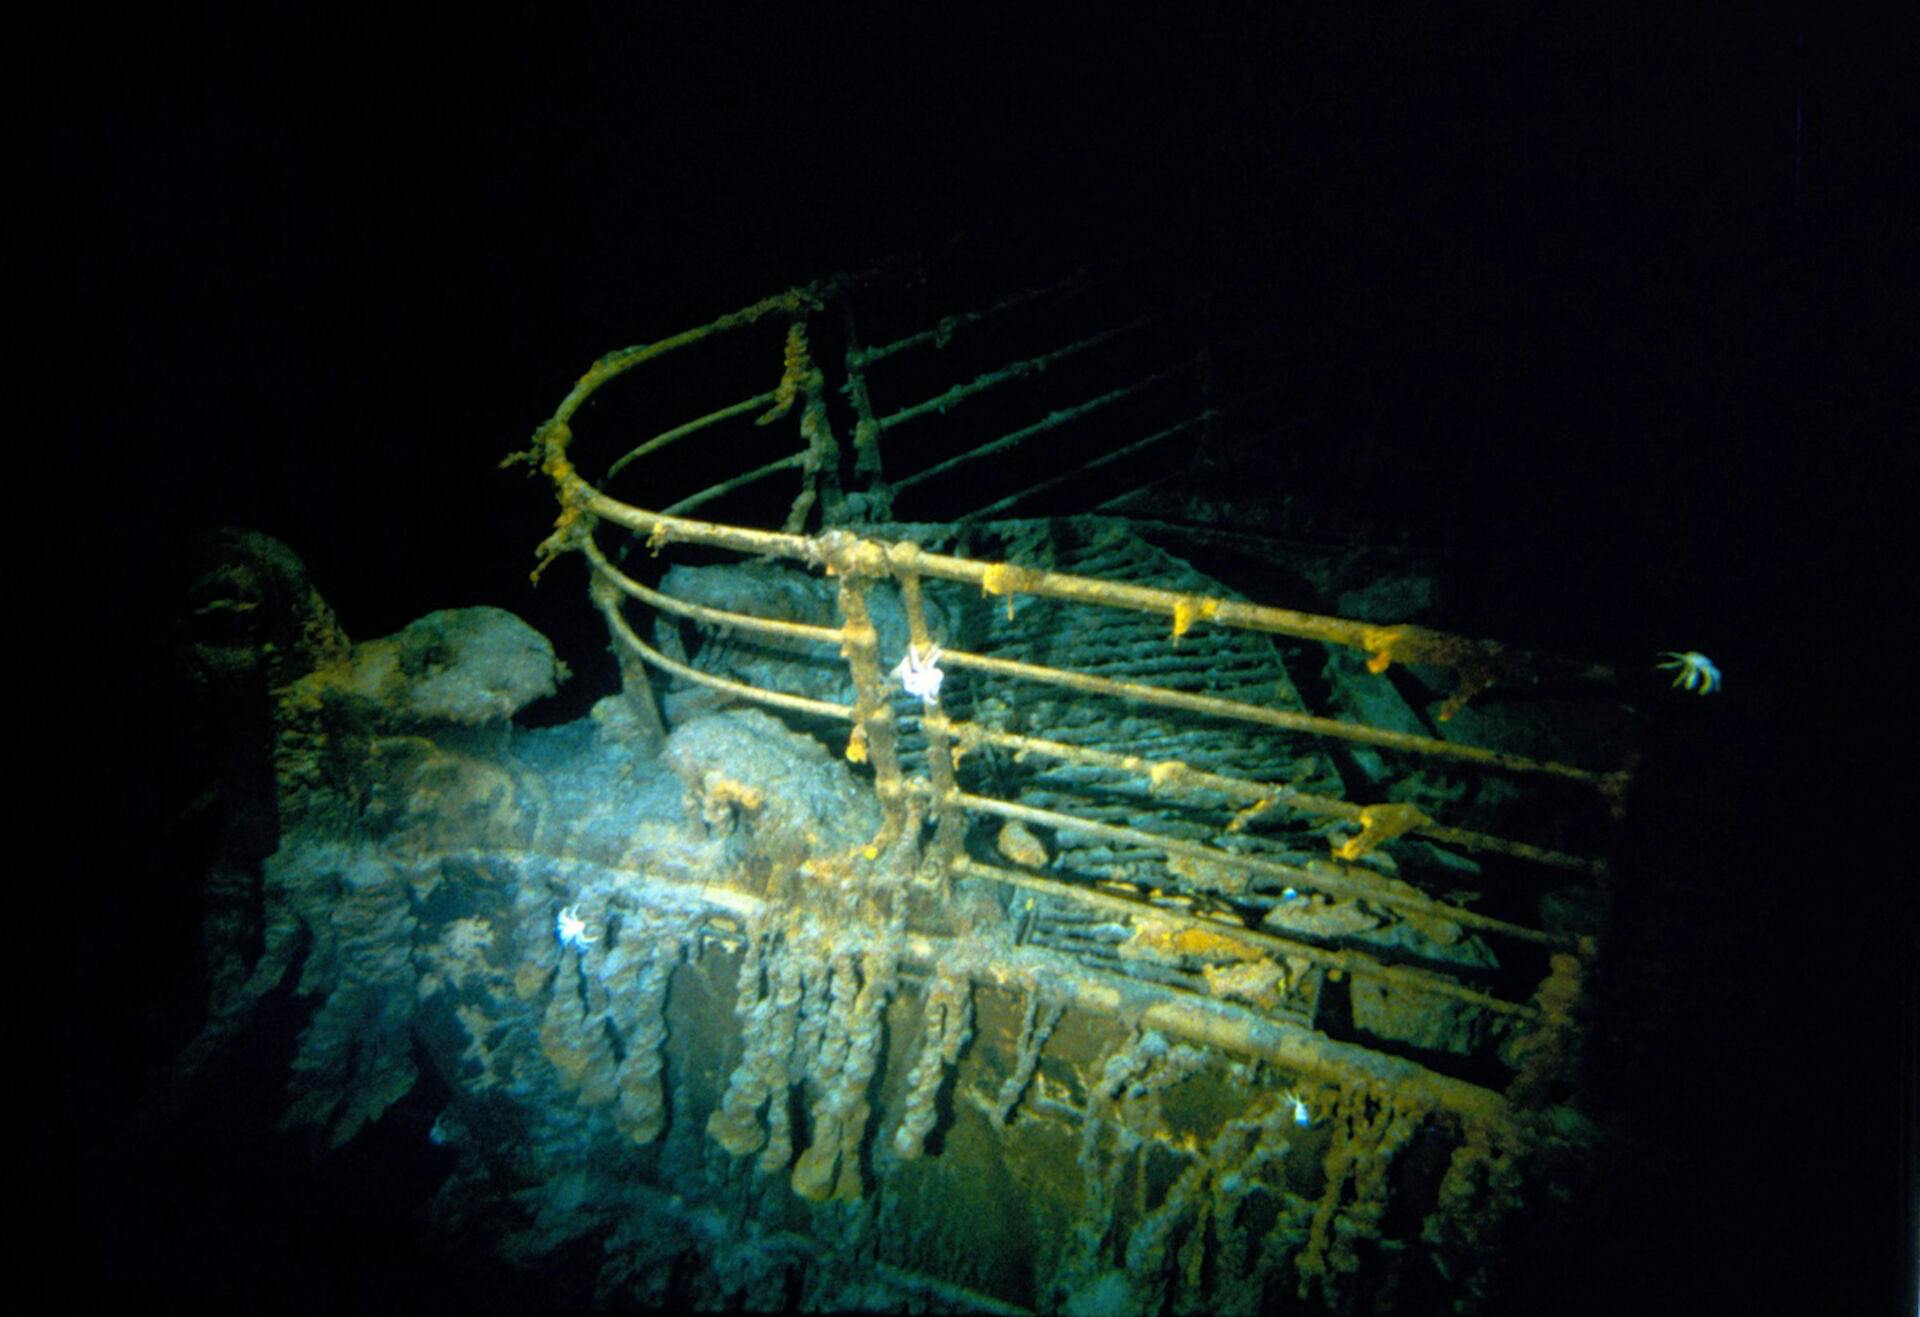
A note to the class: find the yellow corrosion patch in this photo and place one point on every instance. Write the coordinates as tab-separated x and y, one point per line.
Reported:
1164	775
1189	609
1005	579
1380	643
1165	939
1260	982
1380	823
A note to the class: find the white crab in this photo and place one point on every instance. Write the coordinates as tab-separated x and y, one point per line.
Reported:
921	676
1302	1113
571	929
1693	670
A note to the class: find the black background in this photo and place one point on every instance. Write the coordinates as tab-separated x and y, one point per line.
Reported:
336	267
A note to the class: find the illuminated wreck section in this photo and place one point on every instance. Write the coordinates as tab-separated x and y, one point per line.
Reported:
984	912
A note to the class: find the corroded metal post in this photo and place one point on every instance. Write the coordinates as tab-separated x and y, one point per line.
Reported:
951	822
853	562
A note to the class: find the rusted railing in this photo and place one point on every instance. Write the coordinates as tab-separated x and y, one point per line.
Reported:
930	787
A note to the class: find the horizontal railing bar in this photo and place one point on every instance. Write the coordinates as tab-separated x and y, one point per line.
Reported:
943	330
778	699
1293	875
712	492
1053	420
1105	459
1311	724
702	612
939	402
1177	774
619	362
1345	962
694	426
1000	578
1282	1043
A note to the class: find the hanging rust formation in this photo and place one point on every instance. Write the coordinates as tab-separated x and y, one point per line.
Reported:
981	892
1242	871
